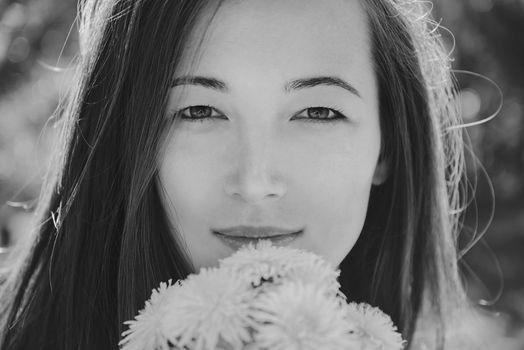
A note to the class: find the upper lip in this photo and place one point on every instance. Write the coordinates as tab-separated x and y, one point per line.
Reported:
255	232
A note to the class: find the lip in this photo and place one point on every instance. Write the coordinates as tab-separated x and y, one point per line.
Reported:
235	242
255	232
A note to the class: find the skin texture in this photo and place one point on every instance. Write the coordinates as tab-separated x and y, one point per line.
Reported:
254	162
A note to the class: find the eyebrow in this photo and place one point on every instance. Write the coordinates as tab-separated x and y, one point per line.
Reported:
202	81
296	84
316	81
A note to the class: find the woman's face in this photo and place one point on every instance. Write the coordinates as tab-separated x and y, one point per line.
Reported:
288	134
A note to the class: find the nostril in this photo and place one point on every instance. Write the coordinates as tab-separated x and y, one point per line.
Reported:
255	189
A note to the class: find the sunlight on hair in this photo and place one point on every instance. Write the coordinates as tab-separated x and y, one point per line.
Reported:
492	115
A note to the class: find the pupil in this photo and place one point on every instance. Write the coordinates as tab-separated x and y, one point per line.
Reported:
318	112
200	111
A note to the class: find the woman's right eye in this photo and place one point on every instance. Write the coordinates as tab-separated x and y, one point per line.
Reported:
199	113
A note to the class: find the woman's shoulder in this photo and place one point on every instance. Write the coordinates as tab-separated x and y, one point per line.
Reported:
469	329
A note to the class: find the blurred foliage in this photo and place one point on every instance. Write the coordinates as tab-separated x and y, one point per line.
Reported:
487	36
38	43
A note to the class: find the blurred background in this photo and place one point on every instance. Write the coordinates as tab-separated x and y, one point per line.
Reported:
38	42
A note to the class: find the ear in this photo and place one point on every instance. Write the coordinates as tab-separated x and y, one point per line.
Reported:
381	172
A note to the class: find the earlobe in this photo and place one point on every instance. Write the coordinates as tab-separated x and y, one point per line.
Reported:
381	172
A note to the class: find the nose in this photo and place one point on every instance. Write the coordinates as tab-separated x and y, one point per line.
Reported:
254	177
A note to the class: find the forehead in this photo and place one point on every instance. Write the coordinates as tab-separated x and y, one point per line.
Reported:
281	38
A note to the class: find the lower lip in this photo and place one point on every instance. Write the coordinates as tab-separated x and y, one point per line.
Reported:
237	242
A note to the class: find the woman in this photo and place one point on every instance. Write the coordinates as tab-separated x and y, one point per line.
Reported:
329	119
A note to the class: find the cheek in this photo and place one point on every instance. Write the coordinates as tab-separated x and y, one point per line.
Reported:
185	174
338	166
191	202
334	189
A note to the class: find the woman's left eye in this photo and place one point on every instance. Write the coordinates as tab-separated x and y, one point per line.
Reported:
199	113
320	114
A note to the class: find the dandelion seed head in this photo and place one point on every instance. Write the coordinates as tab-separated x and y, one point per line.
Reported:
299	316
265	262
210	306
373	328
144	331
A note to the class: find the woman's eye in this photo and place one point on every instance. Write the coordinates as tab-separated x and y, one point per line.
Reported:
199	113
320	114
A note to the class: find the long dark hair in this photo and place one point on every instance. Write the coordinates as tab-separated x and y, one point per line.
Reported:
102	240
405	260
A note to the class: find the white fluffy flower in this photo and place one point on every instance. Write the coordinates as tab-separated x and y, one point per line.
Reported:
296	316
260	262
372	328
318	272
262	297
265	262
144	331
208	309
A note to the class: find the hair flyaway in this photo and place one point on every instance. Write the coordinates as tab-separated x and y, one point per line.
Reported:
131	144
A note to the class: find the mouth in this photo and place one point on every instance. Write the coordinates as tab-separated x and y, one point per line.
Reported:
238	240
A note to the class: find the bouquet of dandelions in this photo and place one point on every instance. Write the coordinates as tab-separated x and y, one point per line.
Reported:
261	297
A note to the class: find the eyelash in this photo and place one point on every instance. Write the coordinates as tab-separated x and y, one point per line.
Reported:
337	115
198	120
